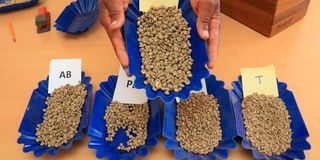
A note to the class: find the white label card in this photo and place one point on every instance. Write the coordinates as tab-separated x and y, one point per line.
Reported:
125	91
63	72
203	89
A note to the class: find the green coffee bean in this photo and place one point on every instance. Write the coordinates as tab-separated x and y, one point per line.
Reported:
198	123
62	115
267	123
165	48
132	117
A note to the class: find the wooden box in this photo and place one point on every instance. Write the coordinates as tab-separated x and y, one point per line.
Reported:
268	17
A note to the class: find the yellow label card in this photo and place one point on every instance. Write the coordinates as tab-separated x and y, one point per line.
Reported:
259	80
146	4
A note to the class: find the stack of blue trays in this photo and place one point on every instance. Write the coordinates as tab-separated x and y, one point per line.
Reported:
78	17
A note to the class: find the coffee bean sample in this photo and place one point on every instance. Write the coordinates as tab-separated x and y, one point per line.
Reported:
198	123
165	49
131	117
62	115
267	123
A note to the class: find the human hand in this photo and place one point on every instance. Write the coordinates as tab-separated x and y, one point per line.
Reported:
208	25
112	19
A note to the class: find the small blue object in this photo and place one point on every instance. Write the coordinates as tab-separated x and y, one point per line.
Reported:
227	123
199	53
34	115
78	17
98	132
299	131
17	5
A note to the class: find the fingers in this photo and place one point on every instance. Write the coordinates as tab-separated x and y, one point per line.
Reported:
105	18
194	5
208	25
114	33
116	11
119	47
214	38
206	9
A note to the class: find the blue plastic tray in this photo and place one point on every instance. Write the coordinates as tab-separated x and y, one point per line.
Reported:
78	17
98	131
300	133
34	115
18	6
227	123
199	53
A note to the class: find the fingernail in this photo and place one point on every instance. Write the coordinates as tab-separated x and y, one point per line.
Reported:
113	23
127	71
206	33
205	28
211	65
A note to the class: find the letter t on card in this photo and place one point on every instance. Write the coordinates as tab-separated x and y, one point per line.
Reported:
261	80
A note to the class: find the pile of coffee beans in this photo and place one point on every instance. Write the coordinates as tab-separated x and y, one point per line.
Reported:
198	123
131	117
267	123
62	115
165	49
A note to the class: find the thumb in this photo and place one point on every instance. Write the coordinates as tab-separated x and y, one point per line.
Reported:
206	9
116	13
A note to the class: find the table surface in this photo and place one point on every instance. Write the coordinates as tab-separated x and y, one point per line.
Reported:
294	52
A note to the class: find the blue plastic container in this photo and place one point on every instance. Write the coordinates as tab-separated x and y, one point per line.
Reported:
34	115
227	123
299	131
98	131
78	17
199	53
17	5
